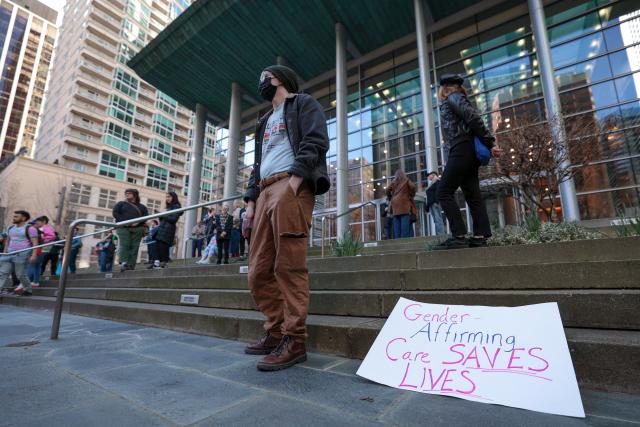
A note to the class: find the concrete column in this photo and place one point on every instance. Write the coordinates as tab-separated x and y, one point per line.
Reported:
570	210
425	87
231	168
195	171
342	176
281	60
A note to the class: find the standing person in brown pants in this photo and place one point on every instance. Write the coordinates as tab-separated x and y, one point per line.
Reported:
290	170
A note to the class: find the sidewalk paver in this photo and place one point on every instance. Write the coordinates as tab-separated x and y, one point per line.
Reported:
105	373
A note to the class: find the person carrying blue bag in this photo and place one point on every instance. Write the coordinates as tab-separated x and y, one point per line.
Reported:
470	144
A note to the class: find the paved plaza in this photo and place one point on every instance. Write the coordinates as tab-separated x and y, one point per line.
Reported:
104	373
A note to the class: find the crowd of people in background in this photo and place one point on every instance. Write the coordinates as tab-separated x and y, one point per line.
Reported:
219	236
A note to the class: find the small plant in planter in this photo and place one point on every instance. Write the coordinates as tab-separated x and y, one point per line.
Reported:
347	246
628	226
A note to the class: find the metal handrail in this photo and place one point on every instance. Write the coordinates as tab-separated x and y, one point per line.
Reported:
55	327
57	242
325	217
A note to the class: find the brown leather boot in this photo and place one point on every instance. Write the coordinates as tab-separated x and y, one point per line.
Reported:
266	345
287	354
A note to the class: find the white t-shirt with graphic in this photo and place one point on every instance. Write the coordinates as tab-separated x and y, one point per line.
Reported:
277	155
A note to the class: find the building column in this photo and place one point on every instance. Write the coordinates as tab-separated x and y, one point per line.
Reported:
231	167
425	87
568	199
342	172
195	171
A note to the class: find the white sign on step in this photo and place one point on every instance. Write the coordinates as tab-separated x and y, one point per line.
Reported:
371	245
513	356
189	299
244	269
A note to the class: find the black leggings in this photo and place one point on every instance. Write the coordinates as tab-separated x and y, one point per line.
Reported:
461	171
223	246
162	251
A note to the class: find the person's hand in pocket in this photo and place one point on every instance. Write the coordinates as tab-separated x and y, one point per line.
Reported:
295	182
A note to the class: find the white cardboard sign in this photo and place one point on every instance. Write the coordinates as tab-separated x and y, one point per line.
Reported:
513	356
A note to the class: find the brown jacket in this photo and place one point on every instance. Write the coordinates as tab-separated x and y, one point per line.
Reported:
401	196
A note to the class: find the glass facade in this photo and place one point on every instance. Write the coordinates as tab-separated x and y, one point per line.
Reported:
595	48
28	45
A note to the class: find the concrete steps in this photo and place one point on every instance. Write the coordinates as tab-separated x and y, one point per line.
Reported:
605	360
596	284
580	309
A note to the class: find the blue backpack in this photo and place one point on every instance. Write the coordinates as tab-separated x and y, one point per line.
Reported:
483	154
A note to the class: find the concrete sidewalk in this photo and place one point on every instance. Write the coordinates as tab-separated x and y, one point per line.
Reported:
104	373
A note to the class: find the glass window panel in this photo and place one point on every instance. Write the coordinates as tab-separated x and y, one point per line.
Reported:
628	87
619	11
408	88
514	50
563	10
623	35
584	48
331	127
407	71
381	81
354	140
332	147
583	73
608	204
623	173
459	50
625	60
354	122
367	155
574	28
631	114
505	74
588	98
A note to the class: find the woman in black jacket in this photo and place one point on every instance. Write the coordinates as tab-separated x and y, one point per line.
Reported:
460	122
224	225
166	233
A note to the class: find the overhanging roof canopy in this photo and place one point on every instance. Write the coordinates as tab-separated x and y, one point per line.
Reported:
217	42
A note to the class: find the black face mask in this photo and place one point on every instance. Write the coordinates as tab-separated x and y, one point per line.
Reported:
266	90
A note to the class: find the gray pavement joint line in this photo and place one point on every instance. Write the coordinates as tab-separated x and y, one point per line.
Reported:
333	365
254	387
225	408
119	396
393	405
605	417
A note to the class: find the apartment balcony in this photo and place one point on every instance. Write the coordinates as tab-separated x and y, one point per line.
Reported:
97	70
107	7
136	171
144	119
92	97
139	143
93	112
103	31
179	157
146	104
181	134
96	129
176	181
95	83
106	19
143	129
99	55
103	45
82	155
82	138
147	93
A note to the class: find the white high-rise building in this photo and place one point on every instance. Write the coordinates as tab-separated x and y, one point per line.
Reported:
101	118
